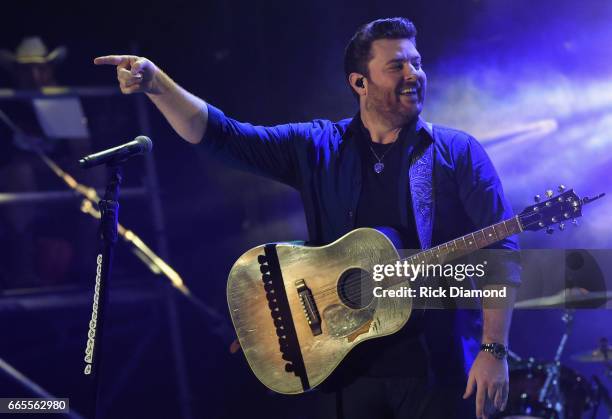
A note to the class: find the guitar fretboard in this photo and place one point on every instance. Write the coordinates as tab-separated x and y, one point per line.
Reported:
461	246
468	243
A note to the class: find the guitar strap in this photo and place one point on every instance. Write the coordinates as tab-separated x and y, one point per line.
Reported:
422	189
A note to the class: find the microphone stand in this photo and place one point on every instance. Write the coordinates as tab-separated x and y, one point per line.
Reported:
107	235
155	263
108	230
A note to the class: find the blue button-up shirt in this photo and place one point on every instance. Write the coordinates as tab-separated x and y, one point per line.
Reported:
322	161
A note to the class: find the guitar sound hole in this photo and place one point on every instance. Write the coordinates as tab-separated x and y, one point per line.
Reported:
355	288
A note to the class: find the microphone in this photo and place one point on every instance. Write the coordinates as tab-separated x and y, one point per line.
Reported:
139	145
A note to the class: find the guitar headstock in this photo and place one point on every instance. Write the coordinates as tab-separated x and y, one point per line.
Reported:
556	210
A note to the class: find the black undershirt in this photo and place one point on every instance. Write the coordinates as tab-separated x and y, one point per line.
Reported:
379	200
401	354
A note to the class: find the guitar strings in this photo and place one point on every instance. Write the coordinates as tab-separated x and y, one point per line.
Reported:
353	291
333	290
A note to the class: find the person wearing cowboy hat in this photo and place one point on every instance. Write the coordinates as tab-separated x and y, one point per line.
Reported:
30	257
32	64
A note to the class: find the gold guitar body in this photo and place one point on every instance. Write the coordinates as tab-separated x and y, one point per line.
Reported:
299	310
295	312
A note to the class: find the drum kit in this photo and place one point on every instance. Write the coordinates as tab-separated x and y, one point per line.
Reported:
551	390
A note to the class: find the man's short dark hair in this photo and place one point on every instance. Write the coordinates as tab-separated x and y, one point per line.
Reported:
358	51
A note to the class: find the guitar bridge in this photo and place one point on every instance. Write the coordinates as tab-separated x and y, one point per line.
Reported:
309	306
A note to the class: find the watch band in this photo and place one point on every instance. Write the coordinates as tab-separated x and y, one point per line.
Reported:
498	350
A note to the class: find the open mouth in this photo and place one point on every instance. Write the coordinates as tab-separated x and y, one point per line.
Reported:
411	92
408	91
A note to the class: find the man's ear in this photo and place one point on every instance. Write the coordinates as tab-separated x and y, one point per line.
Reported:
359	83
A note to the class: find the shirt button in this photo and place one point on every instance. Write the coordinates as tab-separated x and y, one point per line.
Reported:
350	214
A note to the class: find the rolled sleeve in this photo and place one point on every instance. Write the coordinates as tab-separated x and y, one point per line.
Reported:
266	151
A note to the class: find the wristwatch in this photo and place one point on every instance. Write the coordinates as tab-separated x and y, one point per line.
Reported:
498	350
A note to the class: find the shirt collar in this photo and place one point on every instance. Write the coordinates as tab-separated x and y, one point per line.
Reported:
426	127
355	126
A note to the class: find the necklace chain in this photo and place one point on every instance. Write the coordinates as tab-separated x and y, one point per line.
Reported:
380	166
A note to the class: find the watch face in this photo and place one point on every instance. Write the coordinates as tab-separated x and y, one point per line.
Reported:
499	350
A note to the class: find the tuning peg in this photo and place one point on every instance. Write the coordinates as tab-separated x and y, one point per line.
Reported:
561	188
549	193
575	222
550	230
561	226
537	198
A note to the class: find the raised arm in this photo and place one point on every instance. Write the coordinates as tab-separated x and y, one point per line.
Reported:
278	152
186	113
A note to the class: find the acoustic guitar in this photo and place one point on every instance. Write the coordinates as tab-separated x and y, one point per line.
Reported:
299	310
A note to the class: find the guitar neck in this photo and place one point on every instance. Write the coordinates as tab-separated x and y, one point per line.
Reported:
468	243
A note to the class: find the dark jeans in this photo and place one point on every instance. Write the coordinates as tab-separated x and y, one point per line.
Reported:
391	398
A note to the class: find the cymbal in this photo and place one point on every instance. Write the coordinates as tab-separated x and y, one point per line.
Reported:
576	297
592	356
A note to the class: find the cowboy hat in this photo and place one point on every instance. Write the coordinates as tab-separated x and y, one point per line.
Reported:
32	50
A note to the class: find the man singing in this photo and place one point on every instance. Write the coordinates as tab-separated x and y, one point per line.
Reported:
383	167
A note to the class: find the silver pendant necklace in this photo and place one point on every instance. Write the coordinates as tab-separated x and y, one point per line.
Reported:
380	166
